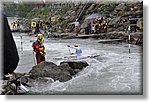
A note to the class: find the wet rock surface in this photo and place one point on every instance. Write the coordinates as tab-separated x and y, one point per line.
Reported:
76	65
62	72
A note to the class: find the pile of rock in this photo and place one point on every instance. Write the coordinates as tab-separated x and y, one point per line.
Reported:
121	13
62	72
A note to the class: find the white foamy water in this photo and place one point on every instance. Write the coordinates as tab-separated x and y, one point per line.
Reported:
113	72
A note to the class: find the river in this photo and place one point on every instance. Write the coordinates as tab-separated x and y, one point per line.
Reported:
113	72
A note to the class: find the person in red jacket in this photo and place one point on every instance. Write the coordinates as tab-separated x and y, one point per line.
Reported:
39	48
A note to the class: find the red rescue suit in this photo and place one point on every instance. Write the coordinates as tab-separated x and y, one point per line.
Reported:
40	51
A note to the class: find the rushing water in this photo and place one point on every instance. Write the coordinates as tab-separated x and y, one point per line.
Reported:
113	72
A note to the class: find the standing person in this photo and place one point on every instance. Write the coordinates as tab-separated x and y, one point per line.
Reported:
59	28
39	48
93	29
50	31
89	28
18	25
11	57
96	28
14	25
50	28
47	24
41	24
37	29
76	27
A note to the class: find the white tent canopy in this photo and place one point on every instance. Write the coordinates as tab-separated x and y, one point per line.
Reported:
93	16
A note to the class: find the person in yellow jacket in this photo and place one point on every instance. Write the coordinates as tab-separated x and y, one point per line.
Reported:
141	24
39	48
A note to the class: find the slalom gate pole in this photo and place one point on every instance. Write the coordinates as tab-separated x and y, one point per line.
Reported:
129	41
21	43
34	58
69	50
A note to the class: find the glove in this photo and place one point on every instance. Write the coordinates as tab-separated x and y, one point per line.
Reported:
41	45
44	53
41	53
41	49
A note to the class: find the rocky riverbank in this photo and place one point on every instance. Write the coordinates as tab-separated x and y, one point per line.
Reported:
136	37
65	14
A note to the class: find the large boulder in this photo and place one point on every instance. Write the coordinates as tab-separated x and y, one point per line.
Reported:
66	68
62	72
45	69
76	65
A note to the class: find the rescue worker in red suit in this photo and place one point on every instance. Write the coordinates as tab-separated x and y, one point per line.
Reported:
39	48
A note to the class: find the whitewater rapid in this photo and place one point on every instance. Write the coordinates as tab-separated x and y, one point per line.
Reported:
113	72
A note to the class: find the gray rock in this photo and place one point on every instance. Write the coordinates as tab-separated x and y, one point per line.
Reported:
121	7
45	69
66	67
114	21
77	70
77	64
62	72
